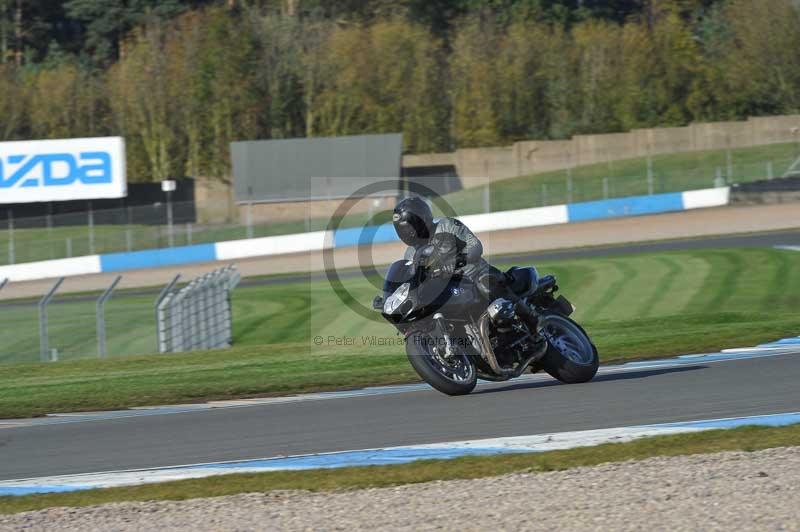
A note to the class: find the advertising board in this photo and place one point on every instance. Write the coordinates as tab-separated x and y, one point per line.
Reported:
62	170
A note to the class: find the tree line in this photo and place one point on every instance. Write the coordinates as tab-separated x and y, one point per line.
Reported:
181	80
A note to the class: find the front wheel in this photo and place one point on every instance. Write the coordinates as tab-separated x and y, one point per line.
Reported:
454	375
571	356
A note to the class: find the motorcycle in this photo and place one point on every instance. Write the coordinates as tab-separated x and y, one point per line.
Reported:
454	334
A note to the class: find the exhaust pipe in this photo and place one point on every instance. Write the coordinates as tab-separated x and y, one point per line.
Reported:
491	359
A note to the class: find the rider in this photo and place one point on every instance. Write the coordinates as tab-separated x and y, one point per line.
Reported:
456	249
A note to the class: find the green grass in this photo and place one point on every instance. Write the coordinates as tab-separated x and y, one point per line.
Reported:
638	306
747	439
672	173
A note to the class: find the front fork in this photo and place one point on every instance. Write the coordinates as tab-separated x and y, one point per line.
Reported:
441	326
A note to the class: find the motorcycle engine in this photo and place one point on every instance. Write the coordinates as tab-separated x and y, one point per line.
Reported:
501	312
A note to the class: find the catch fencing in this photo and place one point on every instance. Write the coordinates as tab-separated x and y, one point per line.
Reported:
117	322
167	225
199	316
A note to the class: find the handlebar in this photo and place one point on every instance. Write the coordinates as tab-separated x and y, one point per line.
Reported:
546	283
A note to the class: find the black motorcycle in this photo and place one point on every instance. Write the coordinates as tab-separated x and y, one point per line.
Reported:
455	334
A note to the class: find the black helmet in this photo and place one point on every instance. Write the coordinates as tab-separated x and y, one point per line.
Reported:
413	221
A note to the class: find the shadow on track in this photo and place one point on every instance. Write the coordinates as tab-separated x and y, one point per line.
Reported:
628	375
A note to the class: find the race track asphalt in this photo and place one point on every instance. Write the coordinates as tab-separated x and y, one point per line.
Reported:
538	405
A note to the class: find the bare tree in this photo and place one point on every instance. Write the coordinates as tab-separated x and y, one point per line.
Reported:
3	31
18	32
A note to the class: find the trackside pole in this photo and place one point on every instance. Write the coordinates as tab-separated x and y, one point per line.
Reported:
163	329
11	253
101	317
91	228
44	351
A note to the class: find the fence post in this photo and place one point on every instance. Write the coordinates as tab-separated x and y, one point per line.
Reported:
49	223
170	224
101	317
164	323
189	330
129	229
729	163
160	334
44	351
11	254
650	184
569	185
605	188
69	247
182	323
213	309
205	312
250	220
188	234
175	306
233	281
718	180
544	194
91	229
770	174
197	303
487	204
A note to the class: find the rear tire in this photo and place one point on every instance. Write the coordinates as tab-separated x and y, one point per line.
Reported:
571	356
456	377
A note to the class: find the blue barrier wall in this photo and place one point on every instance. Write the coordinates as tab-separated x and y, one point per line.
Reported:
631	206
356	236
154	258
363	236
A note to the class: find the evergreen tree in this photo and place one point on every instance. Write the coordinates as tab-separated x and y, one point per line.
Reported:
107	22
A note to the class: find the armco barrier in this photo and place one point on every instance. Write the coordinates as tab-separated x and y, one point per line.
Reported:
319	240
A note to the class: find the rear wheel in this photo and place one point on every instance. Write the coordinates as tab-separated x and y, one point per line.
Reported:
451	375
571	356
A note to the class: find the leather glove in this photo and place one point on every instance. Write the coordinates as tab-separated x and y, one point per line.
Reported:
448	267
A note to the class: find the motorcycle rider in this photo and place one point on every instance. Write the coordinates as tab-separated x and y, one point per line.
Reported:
456	250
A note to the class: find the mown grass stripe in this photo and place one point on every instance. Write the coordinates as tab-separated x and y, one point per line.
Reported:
624	274
663	287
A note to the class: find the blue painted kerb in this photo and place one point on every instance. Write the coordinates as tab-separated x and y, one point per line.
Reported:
153	258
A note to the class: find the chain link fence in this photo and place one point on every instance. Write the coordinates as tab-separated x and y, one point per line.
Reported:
119	322
164	225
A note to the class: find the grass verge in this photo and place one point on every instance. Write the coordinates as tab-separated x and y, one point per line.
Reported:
741	439
634	307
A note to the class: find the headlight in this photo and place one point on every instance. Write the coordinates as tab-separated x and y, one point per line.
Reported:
394	301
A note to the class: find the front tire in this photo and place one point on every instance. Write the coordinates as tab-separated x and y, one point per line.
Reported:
454	376
571	356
